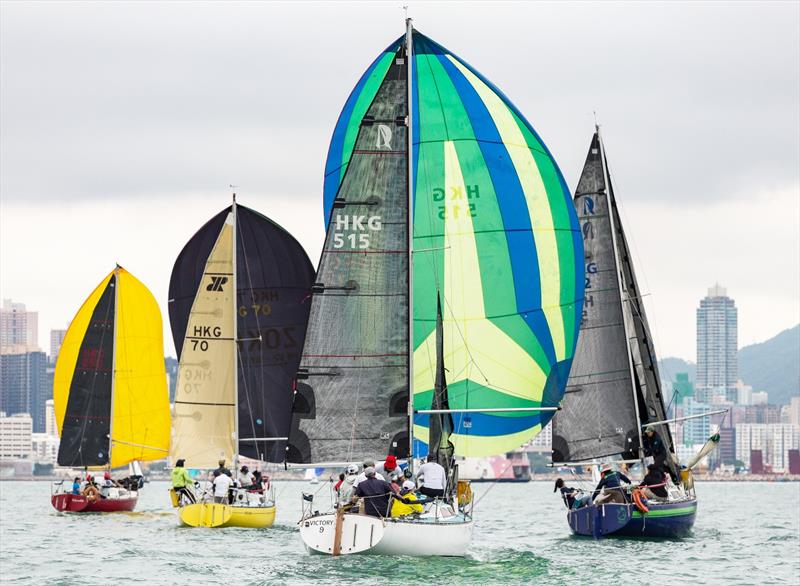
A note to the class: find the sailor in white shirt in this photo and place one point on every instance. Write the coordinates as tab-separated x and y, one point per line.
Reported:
433	477
245	477
222	483
361	477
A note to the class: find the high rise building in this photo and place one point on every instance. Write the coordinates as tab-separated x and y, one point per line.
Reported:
23	385
50	418
717	346
18	327
56	339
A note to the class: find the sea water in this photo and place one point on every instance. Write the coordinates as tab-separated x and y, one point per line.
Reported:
746	533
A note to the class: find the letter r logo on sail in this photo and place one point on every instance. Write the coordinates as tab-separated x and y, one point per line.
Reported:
216	283
384	137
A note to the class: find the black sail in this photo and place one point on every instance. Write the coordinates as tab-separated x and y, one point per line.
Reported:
648	383
273	278
441	424
352	395
87	420
598	416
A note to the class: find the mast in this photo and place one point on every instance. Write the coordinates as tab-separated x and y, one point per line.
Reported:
623	293
410	233
235	336
113	365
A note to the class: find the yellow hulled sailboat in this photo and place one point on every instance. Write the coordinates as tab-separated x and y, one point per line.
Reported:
238	311
110	391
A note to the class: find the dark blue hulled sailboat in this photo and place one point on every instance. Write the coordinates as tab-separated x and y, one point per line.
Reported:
614	389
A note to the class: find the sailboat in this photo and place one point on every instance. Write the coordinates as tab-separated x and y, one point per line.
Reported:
110	391
443	316
238	309
614	390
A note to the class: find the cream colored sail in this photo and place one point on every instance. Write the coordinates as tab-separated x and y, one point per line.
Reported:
205	398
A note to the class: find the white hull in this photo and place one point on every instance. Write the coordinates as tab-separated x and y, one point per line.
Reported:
423	539
398	536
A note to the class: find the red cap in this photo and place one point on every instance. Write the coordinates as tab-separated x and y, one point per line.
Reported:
391	463
107	475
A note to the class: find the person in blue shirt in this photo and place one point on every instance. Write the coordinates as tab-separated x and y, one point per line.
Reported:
609	489
76	485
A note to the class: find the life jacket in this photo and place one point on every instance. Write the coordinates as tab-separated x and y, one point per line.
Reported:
400	509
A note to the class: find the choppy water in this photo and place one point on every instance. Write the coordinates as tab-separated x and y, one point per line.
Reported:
746	533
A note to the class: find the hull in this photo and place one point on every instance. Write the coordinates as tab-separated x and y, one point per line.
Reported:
221	515
75	503
664	520
365	534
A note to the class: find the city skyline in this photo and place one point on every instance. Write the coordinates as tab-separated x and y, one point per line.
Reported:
126	171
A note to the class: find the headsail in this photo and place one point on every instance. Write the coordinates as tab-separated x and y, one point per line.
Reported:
273	277
109	388
495	232
598	416
352	393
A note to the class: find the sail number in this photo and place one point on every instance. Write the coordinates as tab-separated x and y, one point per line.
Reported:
360	228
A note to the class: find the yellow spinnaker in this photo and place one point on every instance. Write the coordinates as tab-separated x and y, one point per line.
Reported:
140	426
140	418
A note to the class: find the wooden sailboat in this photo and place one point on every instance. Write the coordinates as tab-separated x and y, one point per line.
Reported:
110	392
443	317
238	311
614	391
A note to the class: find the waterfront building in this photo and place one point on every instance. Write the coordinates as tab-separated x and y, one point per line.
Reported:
698	430
19	328
56	339
50	427
543	441
171	366
727	445
15	436
44	448
760	398
744	394
717	347
23	385
794	410
682	389
772	440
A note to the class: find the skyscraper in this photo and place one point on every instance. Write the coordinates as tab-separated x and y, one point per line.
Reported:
18	327
56	339
23	385
717	345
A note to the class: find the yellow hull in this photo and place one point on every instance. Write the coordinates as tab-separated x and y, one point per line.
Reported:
220	515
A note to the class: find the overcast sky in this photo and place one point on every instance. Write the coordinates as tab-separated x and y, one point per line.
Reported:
122	125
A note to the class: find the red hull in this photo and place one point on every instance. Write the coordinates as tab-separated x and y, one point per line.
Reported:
76	503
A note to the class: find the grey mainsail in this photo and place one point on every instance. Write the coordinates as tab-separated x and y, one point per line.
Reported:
598	414
351	400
